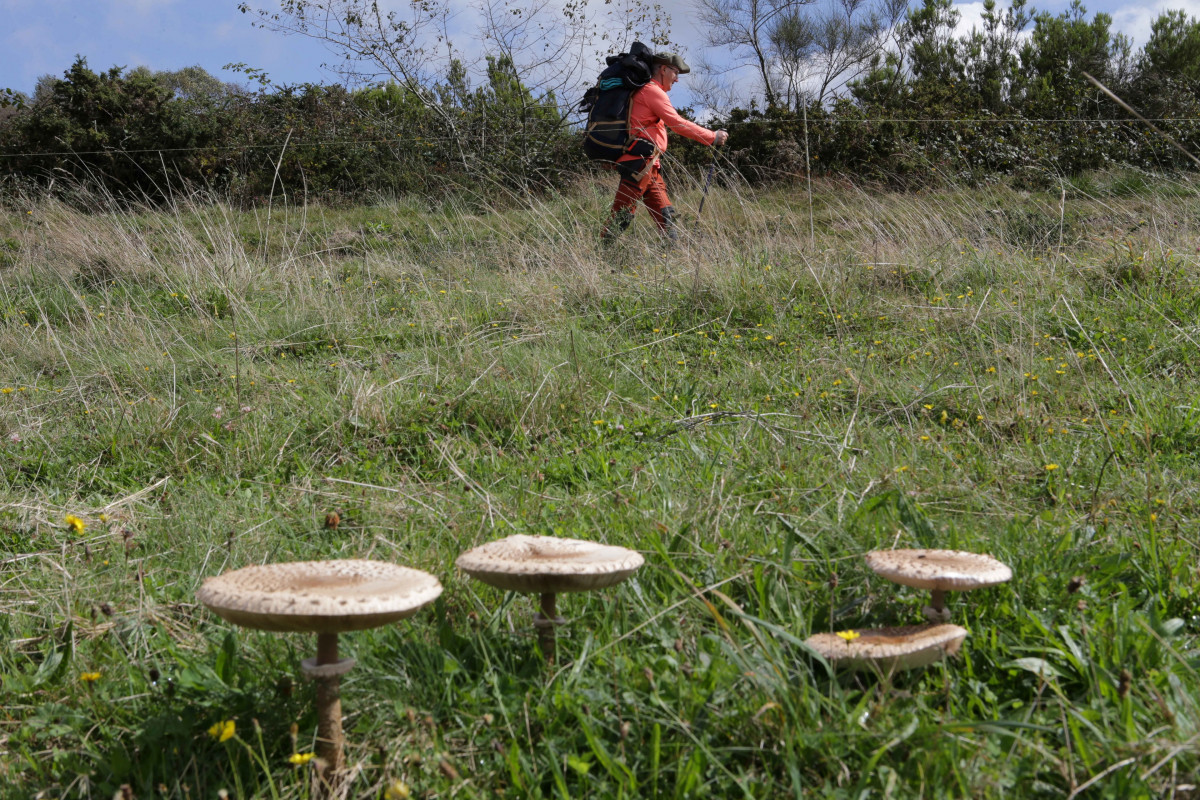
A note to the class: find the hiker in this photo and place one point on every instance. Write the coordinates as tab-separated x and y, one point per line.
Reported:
650	114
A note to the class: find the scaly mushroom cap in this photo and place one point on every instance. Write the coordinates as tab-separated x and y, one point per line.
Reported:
890	648
548	564
319	596
938	569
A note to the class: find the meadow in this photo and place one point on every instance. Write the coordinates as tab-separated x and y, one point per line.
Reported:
195	388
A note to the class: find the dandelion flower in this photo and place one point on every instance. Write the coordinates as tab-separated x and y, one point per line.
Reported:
6	390
89	677
223	731
300	759
75	523
849	636
397	790
1051	467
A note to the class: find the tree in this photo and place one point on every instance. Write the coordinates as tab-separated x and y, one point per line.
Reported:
1173	49
1060	49
549	47
927	35
832	44
190	83
114	127
374	43
745	27
992	54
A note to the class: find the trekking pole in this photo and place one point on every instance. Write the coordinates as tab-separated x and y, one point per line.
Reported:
707	183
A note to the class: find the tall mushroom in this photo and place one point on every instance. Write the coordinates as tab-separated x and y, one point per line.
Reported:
548	566
325	598
889	649
939	571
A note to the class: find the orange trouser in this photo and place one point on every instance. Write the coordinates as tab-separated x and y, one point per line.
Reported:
650	190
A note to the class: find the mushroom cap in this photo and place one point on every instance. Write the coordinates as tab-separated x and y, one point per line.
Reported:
319	596
547	564
938	569
890	648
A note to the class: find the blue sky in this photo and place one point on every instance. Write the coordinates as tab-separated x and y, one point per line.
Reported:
43	36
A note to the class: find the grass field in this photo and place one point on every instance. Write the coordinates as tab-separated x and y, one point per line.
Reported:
753	410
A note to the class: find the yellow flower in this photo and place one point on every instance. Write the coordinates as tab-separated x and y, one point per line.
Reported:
222	731
300	759
397	790
849	636
6	390
89	677
1051	467
75	523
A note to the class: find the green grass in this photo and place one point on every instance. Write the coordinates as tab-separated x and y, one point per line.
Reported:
986	369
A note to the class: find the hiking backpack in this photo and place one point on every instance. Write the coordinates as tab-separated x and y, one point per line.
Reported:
607	104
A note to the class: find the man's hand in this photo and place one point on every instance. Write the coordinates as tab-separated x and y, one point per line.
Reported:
721	137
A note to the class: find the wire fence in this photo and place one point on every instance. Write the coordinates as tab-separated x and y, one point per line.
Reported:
279	144
484	154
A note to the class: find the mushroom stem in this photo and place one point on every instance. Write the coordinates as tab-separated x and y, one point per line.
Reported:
329	708
545	623
939	599
937	611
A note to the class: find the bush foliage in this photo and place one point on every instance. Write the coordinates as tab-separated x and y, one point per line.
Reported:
939	108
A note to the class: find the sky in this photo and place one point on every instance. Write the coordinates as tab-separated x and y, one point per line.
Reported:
39	37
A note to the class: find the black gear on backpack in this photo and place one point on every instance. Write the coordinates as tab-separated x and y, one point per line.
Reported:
607	104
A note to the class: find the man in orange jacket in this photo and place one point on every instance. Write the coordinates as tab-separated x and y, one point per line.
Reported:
650	114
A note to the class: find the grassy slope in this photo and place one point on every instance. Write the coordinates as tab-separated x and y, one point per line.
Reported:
753	411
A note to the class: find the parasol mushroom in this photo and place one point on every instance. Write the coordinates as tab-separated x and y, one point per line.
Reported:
940	571
325	598
889	649
547	566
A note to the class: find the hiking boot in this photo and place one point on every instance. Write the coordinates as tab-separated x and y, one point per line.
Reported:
670	225
622	219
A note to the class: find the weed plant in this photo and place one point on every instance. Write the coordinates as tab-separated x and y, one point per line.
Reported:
194	389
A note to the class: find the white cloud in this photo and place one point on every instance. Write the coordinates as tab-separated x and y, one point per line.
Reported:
1134	21
970	18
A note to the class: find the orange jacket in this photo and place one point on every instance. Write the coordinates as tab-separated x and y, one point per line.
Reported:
651	113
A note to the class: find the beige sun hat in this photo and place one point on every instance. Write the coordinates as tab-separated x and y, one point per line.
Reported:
889	649
672	60
548	566
319	596
939	571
